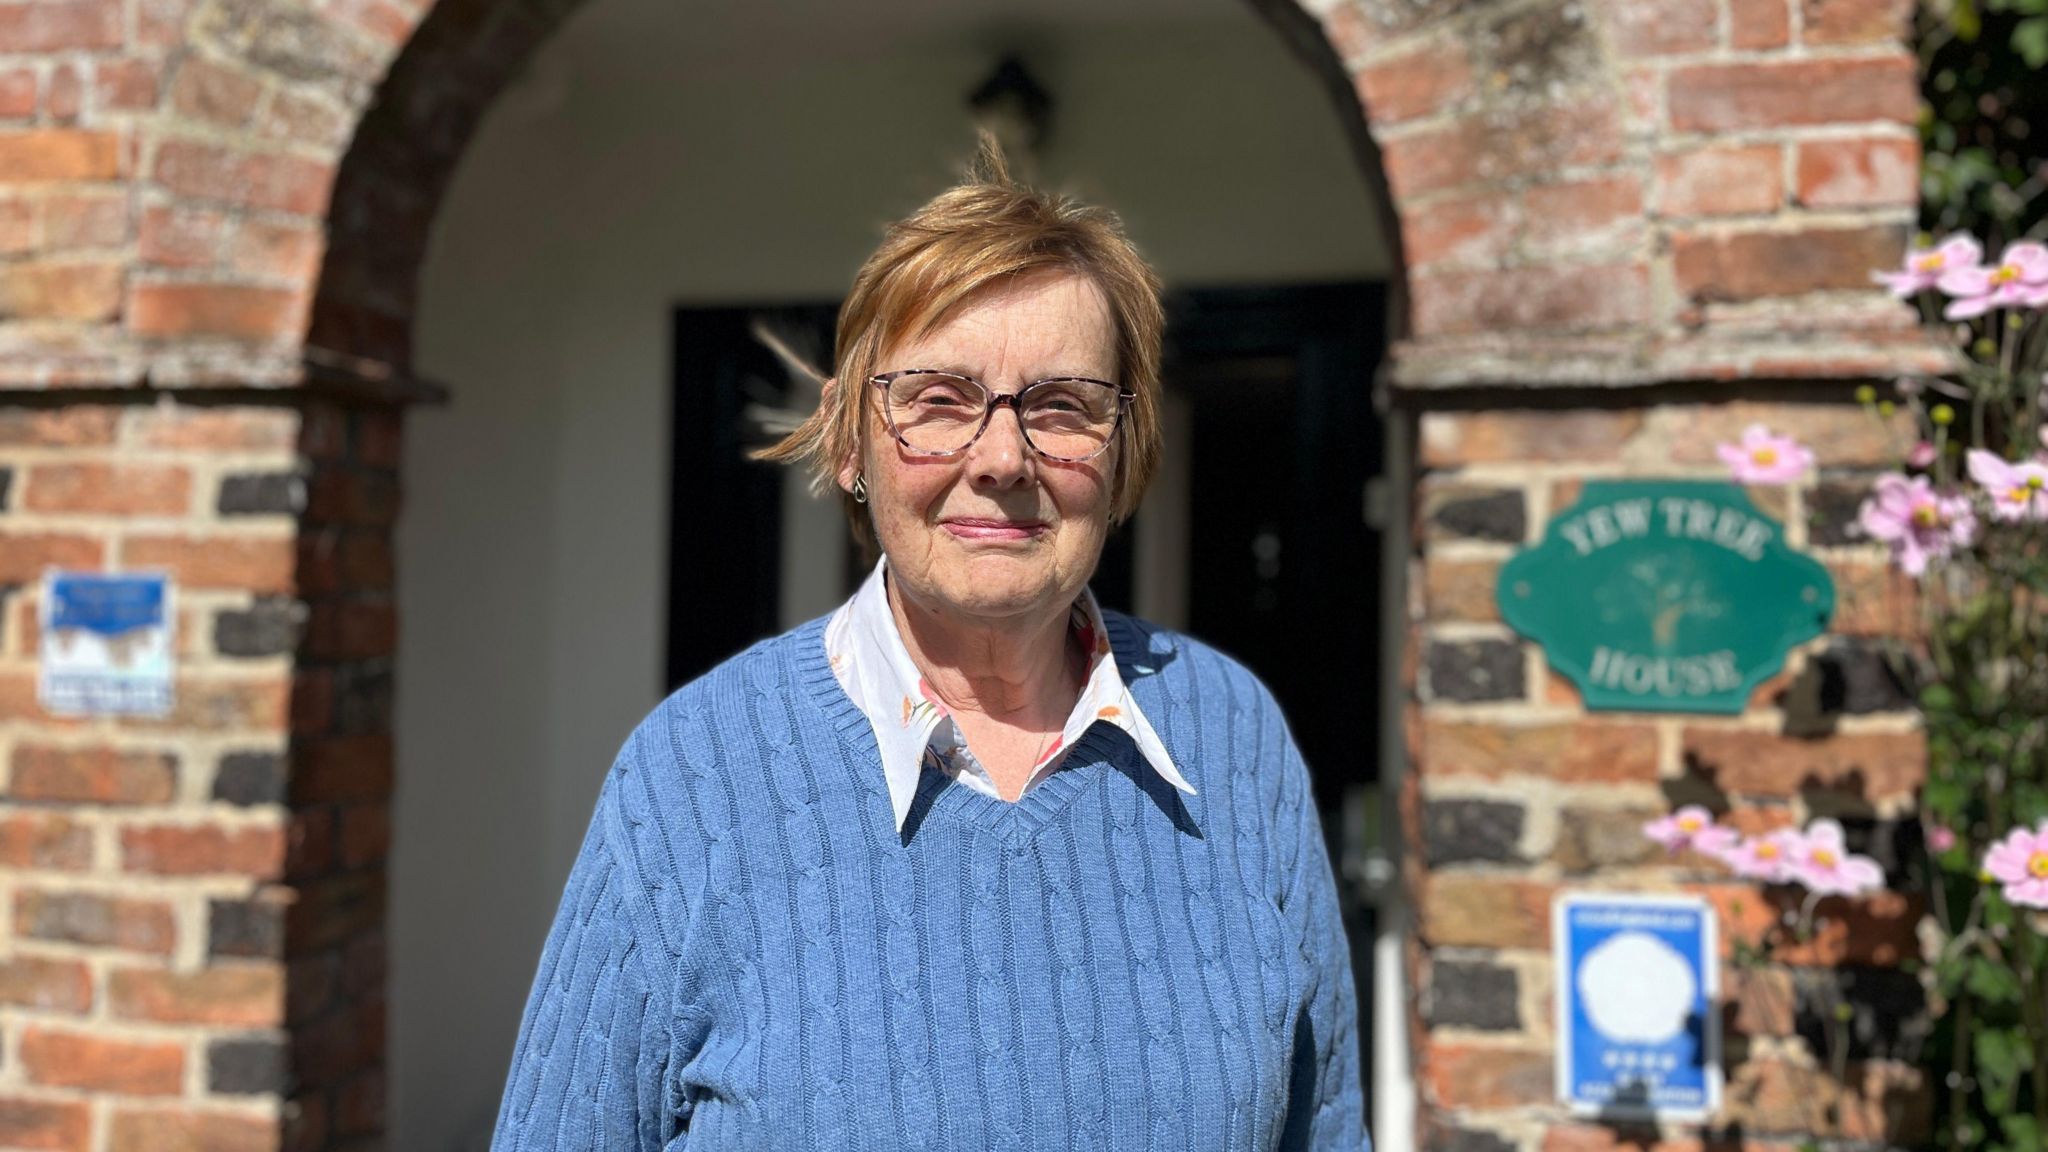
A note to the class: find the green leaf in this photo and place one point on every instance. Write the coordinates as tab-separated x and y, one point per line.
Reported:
2022	1132
1992	982
2030	40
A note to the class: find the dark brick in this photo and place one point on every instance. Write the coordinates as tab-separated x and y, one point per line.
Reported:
1831	511
1467	831
1474	994
1593	838
250	778
362	698
270	627
249	1065
1858	677
1886	1011
245	928
262	494
1470	671
6	486
1497	516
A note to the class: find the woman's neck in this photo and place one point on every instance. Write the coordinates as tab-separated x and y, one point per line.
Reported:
1018	672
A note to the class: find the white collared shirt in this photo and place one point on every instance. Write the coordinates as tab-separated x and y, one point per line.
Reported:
912	726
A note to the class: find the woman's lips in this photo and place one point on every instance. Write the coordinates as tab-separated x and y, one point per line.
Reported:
975	528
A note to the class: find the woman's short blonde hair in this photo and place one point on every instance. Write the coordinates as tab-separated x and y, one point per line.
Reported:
982	232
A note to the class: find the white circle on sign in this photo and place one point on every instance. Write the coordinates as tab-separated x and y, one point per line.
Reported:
1637	989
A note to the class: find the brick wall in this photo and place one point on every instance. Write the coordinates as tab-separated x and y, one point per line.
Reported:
211	219
1516	792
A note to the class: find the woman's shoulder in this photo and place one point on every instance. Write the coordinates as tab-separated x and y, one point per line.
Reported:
776	664
1154	658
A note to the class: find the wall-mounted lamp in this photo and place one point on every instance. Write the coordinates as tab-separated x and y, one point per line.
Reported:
1012	104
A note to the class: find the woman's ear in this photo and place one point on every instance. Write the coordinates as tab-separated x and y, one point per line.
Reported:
850	466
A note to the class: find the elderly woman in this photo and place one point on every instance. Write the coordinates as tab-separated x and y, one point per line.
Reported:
972	863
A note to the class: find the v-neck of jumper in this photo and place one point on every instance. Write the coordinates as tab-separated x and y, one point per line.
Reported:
1013	822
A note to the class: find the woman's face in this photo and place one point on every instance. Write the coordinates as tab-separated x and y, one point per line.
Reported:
997	532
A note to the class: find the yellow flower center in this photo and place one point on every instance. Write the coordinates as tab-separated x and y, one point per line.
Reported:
1927	516
1927	262
1691	823
1767	851
2020	495
2037	866
1765	456
1825	858
2005	274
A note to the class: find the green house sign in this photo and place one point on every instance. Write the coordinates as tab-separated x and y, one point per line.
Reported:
1665	596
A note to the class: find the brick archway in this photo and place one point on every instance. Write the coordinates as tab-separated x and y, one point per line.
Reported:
212	215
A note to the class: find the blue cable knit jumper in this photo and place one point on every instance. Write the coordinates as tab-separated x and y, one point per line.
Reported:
749	956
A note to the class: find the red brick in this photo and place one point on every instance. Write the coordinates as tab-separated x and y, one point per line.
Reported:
1535	298
59	1126
179	237
74	1060
1460	589
277	251
1606	1138
1878	767
1661	27
129	85
1576	753
85	221
114	489
253	563
17	93
205	90
224	429
348	630
216	309
92	775
236	996
192	850
1854	21
1873	598
1481	910
1753	265
365	834
20	227
60	291
161	23
1759	24
72	426
332	910
96	920
1859	173
1842	435
215	704
66	95
1735	97
1517	143
1415	84
277	181
1729	181
1464	1076
342	768
1503	435
303	120
47	154
49	984
44	840
310	842
1876	1103
59	26
1574	217
193	1130
366	562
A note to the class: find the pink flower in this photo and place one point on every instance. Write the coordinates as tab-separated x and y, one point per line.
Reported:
2018	491
1919	523
1940	838
1924	266
2018	280
1920	455
1691	827
1825	865
2020	863
1762	458
1769	857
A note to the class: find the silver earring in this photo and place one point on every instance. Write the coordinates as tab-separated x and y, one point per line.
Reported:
860	489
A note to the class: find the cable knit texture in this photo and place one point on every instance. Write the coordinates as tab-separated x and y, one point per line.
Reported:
748	955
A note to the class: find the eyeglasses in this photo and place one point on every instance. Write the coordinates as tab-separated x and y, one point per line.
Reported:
1064	418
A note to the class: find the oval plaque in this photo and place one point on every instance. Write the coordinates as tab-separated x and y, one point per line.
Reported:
1665	596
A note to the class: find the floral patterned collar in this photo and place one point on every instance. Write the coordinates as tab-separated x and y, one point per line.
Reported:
874	667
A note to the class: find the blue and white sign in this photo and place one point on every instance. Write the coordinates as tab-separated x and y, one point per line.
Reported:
106	644
1638	1035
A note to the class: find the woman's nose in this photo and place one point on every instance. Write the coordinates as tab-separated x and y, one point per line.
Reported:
1000	456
